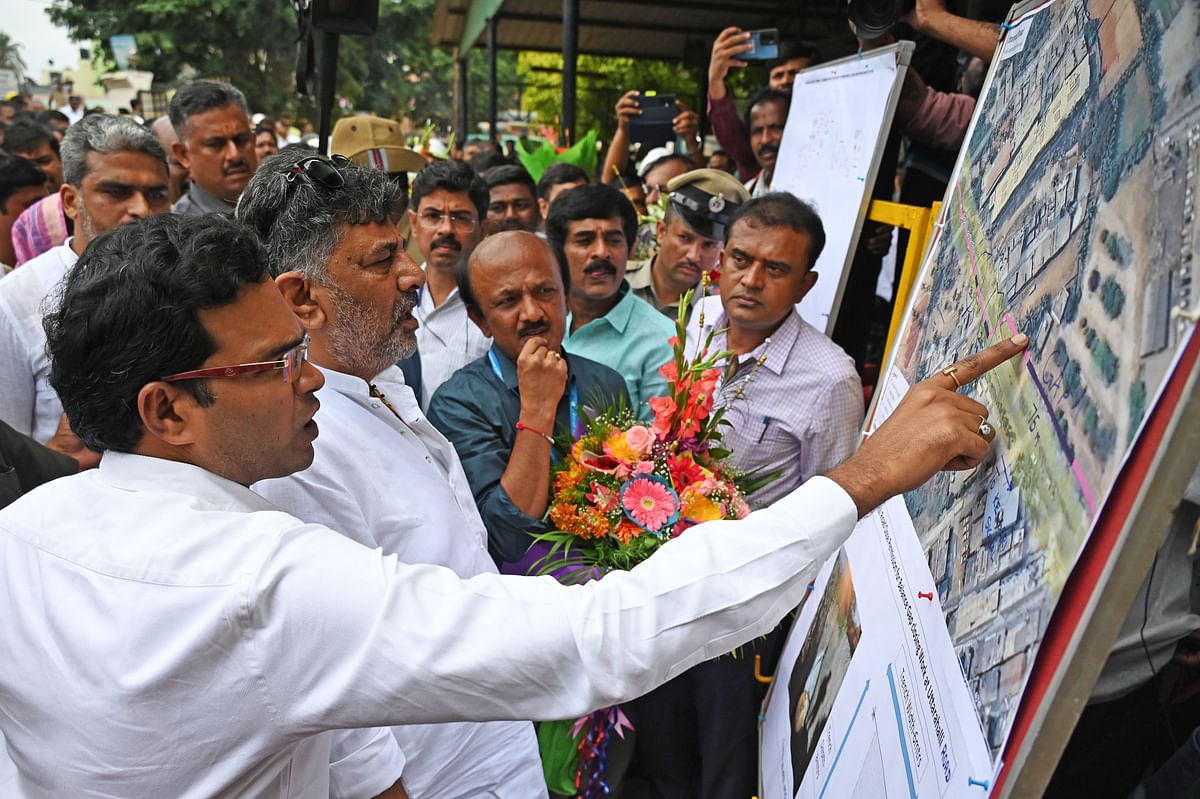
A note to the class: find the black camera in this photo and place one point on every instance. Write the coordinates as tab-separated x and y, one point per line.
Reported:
873	18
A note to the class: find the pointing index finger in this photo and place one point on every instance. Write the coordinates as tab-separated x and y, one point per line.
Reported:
972	366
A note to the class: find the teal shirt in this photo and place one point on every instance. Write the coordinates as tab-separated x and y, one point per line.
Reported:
632	339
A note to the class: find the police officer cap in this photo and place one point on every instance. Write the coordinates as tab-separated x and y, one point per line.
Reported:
705	199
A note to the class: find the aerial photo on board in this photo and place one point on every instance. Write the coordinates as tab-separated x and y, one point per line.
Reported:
1072	219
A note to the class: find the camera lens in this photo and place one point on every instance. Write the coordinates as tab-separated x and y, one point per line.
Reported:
873	18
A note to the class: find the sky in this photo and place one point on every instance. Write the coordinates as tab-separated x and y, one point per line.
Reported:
26	22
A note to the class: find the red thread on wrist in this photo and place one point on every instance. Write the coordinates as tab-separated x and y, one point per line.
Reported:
523	426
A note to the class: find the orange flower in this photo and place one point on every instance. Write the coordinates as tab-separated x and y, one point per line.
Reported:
627	531
617	447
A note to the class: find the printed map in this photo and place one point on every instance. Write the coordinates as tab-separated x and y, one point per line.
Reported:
1072	218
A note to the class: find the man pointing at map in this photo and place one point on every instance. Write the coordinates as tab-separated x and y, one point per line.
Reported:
180	594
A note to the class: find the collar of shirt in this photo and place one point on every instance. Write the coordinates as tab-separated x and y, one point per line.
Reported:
618	316
359	390
777	350
425	306
204	201
132	472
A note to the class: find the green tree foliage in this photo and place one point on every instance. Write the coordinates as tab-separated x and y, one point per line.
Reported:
396	72
601	82
10	56
250	42
1113	298
1137	406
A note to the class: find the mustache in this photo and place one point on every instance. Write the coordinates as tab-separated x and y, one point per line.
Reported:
446	241
403	310
533	329
601	265
510	224
769	149
236	166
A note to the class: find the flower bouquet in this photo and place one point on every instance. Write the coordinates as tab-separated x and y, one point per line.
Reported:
625	489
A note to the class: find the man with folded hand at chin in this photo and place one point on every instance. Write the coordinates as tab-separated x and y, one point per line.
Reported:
509	413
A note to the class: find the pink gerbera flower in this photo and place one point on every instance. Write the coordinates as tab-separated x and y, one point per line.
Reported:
650	503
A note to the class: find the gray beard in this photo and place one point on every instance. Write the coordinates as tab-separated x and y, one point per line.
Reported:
350	339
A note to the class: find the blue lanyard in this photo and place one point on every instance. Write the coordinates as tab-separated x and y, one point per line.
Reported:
573	406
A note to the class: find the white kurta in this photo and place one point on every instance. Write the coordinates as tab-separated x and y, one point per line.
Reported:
397	484
170	633
27	402
447	340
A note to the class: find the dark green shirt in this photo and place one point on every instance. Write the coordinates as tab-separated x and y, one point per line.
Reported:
477	411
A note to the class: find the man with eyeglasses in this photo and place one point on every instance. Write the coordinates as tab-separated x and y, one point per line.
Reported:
355	299
449	202
116	172
202	643
512	200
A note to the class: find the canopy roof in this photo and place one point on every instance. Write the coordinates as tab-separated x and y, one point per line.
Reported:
668	29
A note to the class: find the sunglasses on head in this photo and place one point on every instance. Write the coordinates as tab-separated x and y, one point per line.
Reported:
321	170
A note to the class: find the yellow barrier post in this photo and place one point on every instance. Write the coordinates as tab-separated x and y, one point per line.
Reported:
919	222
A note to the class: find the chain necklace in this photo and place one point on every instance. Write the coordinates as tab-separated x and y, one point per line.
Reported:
377	394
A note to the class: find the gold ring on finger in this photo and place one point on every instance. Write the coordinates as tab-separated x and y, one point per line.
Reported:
949	372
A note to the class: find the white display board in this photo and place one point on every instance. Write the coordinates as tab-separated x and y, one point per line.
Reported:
839	120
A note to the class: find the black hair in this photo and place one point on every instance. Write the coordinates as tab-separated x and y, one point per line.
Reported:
510	174
451	176
558	174
781	209
17	173
50	115
24	136
488	159
200	96
791	49
767	95
126	316
593	201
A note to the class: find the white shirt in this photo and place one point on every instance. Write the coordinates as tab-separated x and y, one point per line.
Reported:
198	640
27	402
447	340
72	114
397	484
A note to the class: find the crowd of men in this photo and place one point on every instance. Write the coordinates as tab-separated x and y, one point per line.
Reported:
233	605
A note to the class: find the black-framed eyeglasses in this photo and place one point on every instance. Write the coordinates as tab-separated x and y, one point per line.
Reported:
321	170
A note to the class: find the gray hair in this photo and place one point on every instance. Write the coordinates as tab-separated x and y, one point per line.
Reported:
200	96
301	221
105	134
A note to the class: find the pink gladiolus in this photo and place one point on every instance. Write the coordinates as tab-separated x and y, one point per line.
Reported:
664	410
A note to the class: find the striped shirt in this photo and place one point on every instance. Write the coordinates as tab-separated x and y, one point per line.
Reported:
447	340
800	412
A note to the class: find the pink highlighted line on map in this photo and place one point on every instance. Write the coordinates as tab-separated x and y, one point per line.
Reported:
1076	469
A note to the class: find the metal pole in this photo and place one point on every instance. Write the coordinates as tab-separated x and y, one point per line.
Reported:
570	25
329	60
493	24
464	91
